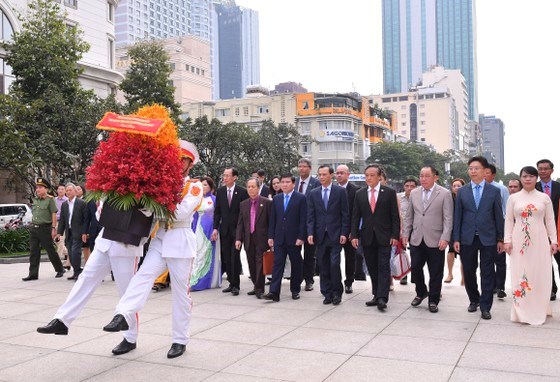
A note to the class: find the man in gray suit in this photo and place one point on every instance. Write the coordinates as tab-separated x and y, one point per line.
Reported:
74	218
429	222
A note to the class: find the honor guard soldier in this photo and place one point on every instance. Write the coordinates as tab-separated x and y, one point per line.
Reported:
43	231
173	247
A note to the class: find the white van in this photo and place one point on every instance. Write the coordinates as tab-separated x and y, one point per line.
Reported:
10	211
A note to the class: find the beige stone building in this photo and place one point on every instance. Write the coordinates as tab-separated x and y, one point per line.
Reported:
425	115
191	63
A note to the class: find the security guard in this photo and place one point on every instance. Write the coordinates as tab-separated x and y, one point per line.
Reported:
43	231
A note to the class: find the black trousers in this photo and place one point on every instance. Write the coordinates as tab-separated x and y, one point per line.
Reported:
38	237
420	256
349	262
554	286
378	262
255	260
231	260
469	259
309	261
328	255
501	270
74	246
296	263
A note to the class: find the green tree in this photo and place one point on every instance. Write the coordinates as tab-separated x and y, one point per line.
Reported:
147	80
272	148
403	160
51	118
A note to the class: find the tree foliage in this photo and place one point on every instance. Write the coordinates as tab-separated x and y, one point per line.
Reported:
47	117
147	80
272	148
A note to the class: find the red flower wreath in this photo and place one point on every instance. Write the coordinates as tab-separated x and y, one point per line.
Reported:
138	169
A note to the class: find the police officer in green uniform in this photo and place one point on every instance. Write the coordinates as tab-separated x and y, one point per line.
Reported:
43	231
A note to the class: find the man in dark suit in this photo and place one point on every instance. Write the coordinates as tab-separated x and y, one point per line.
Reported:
478	227
264	190
226	215
252	231
74	220
342	174
287	232
328	225
552	188
376	207
304	184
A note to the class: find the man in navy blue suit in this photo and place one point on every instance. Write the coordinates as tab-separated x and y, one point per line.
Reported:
304	184
327	228
478	227
286	234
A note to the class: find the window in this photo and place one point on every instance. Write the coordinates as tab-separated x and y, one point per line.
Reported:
202	72
110	11
236	111
262	109
111	52
245	110
197	71
222	112
187	67
422	122
71	3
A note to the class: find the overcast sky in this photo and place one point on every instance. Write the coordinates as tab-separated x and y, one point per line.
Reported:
335	46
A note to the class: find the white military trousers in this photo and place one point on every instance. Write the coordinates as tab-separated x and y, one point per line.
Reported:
97	267
141	285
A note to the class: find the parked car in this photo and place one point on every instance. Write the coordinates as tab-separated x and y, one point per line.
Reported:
9	213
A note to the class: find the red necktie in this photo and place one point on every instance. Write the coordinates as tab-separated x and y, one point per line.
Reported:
253	214
301	186
547	189
372	201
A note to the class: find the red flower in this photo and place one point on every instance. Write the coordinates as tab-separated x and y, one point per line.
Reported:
517	293
524	214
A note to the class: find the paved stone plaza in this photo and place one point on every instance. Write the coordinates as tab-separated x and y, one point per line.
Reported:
245	339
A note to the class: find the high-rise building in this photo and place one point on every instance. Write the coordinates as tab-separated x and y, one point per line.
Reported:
493	133
238	59
420	34
96	19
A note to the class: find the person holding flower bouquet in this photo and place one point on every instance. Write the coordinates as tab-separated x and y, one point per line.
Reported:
530	239
173	247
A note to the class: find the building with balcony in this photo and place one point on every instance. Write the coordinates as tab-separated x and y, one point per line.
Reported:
96	19
424	115
493	132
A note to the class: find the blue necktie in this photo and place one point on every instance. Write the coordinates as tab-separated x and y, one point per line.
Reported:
477	195
286	200
325	197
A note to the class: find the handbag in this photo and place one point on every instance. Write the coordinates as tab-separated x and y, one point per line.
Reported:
268	262
400	262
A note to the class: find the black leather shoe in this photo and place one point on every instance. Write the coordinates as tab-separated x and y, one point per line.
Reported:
308	287
381	304
271	297
176	350
123	348
501	294
327	301
336	300
418	300
404	280
54	327
295	296
259	295
73	277
252	293
227	290
348	289
372	302
360	278
486	315
552	295
29	278
235	291
433	307
117	324
59	275
472	307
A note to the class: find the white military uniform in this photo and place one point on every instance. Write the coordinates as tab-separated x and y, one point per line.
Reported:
173	248
107	255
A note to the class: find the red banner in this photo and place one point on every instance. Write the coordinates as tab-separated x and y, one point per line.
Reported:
130	124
